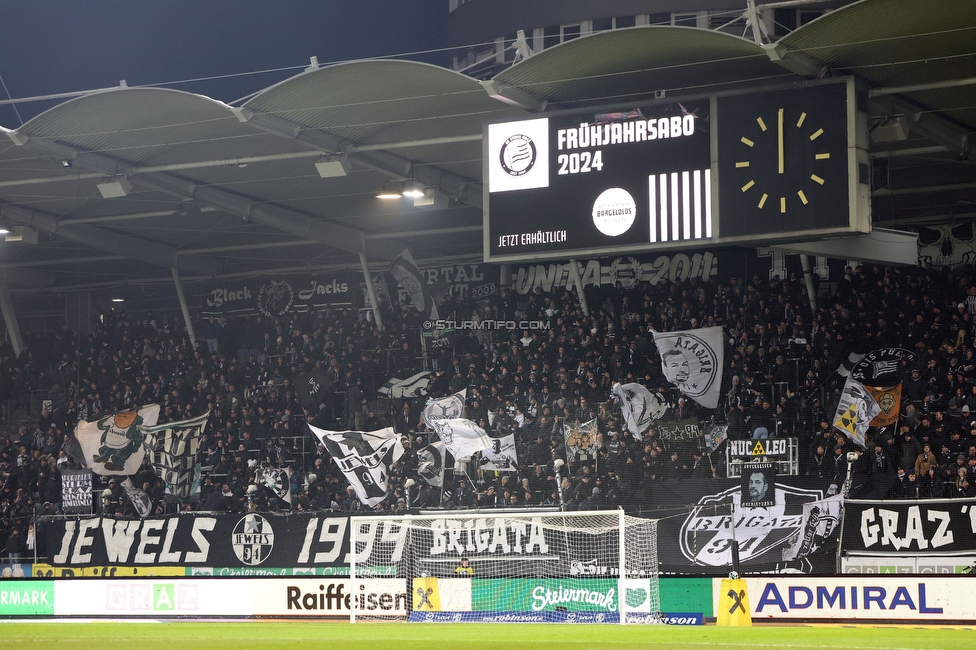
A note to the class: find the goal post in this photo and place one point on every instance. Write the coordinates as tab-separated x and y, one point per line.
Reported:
501	566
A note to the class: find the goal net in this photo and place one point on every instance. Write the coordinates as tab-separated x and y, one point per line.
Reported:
585	567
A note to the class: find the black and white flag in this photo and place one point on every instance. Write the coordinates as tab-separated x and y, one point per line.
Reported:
715	436
430	464
692	361
364	458
399	387
820	520
312	389
462	438
501	455
141	501
113	445
445	408
581	440
408	275
276	480
76	491
639	406
173	451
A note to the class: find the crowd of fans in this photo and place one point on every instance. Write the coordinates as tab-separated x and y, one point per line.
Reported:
781	357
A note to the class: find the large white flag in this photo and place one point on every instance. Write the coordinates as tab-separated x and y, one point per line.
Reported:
581	439
692	360
501	455
173	451
639	406
462	438
445	408
112	445
855	410
365	459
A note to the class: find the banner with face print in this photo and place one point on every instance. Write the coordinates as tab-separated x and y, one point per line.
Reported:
692	361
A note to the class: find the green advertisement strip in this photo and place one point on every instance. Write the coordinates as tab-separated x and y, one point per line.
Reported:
544	595
27	598
686	595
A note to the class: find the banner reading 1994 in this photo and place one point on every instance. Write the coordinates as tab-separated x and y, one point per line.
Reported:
599	181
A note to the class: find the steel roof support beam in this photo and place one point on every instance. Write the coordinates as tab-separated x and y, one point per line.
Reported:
10	316
106	240
283	219
467	192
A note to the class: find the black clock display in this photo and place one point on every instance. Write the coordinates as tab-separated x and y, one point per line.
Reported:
783	161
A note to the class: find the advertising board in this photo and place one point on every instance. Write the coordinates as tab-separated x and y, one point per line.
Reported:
902	598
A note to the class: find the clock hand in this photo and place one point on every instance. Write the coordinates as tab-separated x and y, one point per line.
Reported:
779	132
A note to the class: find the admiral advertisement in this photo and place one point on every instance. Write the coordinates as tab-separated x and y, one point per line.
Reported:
772	518
598	181
276	297
918	528
859	598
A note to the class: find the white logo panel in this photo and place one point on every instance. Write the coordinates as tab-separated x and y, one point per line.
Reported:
518	155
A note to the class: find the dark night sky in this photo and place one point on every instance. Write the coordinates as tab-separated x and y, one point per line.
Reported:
56	46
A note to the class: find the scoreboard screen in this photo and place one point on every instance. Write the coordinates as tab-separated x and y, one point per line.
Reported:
662	176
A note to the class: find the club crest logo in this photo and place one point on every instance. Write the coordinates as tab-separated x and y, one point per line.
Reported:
275	298
517	155
252	539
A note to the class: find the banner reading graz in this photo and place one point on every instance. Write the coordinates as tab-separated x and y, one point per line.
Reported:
930	527
696	522
274	297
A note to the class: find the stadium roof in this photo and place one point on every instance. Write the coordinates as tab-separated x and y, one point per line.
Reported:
225	191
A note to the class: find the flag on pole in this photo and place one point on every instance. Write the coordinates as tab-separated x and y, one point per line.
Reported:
140	500
855	410
365	458
113	445
408	275
581	439
276	480
639	406
430	464
715	436
501	455
173	451
692	361
445	408
889	401
462	438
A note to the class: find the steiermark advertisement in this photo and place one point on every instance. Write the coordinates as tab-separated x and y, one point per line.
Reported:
27	598
544	595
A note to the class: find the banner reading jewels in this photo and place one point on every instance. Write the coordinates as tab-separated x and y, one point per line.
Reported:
275	297
930	527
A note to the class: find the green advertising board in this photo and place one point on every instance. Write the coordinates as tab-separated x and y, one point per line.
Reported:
544	595
27	598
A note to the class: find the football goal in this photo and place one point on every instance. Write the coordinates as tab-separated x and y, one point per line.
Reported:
506	566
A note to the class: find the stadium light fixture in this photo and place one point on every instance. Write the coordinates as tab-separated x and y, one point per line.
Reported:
333	166
390	191
113	187
413	190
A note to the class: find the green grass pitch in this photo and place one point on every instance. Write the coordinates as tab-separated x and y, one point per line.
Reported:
374	636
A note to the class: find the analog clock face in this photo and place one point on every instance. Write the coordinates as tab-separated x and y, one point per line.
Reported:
783	161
